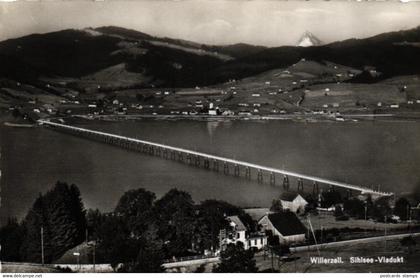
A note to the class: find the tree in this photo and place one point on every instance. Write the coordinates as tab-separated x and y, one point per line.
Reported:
211	219
61	216
338	211
235	259
381	209
94	220
355	208
175	213
330	198
276	206
36	219
137	207
11	236
402	208
65	217
115	245
149	259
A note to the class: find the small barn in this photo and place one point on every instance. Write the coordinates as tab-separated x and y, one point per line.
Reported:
286	225
293	201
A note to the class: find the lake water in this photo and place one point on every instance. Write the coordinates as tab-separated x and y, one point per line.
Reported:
365	153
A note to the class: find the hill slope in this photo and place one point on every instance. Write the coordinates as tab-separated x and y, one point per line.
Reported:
86	54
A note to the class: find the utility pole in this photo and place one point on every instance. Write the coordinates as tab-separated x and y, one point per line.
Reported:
408	217
365	217
313	234
385	230
94	254
42	245
272	259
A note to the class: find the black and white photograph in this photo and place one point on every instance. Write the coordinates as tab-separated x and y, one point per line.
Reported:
210	136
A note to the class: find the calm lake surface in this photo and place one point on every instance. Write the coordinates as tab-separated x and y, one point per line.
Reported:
366	153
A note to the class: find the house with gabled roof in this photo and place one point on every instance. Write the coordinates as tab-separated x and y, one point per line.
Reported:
286	225
293	201
240	233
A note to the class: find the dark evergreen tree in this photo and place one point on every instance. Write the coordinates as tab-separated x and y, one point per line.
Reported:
11	237
94	220
66	217
61	215
35	221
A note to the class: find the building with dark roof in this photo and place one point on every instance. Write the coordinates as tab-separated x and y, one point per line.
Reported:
286	225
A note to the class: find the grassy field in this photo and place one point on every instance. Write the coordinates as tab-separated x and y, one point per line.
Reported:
25	268
389	248
327	221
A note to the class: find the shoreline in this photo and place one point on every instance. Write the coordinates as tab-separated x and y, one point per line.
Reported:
287	117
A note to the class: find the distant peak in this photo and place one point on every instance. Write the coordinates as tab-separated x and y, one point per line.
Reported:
308	39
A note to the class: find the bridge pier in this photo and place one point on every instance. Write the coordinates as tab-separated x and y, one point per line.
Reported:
215	165
180	157
151	150
236	170
225	168
188	158
248	173
315	189
158	151
300	184
286	183
206	163
272	179
165	153
259	176
197	160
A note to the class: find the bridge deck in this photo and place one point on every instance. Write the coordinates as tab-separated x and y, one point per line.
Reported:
364	190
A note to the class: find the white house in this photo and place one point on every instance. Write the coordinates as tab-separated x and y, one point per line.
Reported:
240	234
293	201
239	230
286	225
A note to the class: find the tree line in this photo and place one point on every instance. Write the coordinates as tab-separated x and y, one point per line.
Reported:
137	236
379	209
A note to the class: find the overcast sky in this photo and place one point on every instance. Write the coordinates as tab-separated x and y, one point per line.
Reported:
270	23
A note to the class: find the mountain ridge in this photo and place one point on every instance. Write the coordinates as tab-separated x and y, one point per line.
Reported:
180	63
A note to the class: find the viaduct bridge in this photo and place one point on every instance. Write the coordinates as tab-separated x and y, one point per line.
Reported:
208	161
